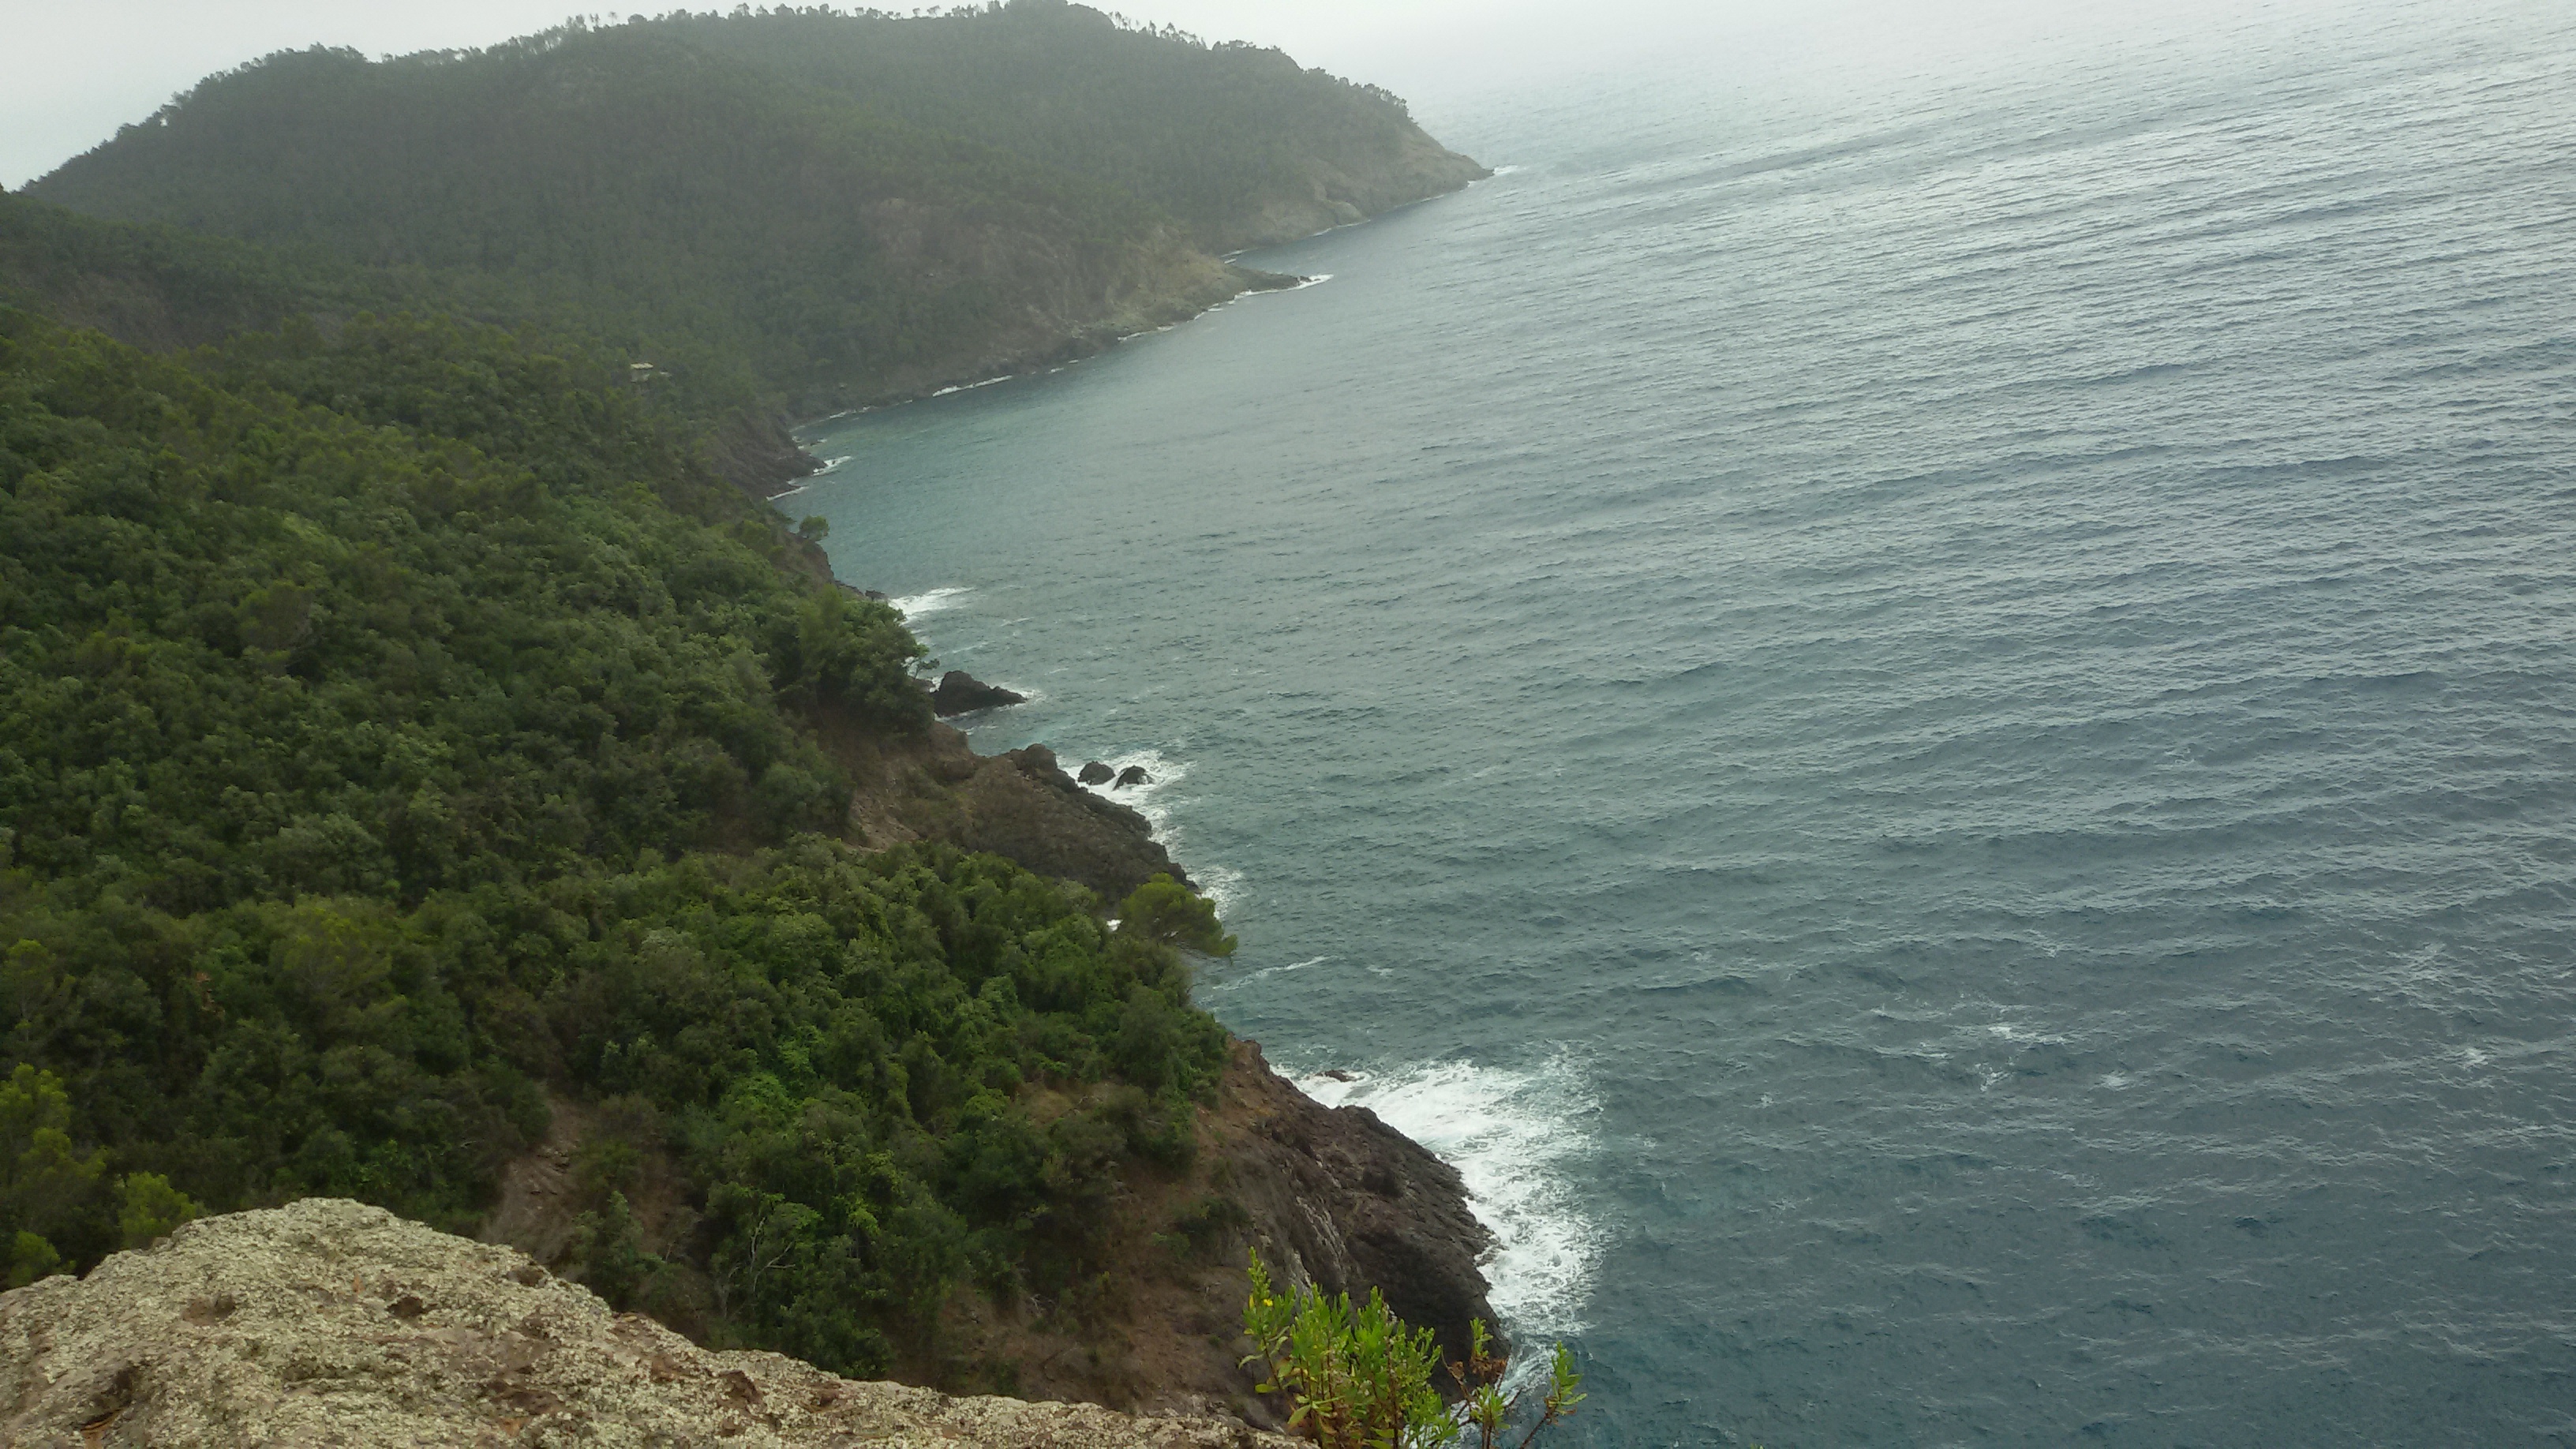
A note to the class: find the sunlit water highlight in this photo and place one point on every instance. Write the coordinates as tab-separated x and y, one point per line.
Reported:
1926	719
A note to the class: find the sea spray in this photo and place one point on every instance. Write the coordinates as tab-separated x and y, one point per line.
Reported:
930	601
1519	1138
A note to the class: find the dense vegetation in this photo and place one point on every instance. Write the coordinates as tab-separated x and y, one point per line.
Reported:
396	727
790	204
408	732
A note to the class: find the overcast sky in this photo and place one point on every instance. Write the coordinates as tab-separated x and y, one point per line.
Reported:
72	71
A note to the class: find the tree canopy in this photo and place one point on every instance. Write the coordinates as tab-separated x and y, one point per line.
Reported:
787	202
402	726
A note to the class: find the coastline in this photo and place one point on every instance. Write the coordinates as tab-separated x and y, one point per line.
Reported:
1331	1195
1136	317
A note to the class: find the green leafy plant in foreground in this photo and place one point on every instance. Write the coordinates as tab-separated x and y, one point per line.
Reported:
1361	1378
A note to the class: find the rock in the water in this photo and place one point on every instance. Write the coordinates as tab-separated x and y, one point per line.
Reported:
330	1322
1096	773
960	692
1132	775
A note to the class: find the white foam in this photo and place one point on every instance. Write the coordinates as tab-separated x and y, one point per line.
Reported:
971	386
1162	772
1153	800
1521	1139
1265	972
913	606
1221	884
1303	283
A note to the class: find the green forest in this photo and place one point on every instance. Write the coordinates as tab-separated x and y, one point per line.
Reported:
402	726
411	728
797	206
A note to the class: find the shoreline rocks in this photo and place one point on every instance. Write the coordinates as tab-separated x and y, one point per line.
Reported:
962	693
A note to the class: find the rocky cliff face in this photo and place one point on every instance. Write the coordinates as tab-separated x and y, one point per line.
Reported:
1347	1203
331	1323
1021	805
1330	1197
1416	168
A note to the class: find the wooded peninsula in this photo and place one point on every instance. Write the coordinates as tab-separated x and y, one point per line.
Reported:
431	773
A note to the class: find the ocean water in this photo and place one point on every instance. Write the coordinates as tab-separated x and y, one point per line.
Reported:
1919	702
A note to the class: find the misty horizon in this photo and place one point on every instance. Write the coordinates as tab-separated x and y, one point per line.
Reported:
76	75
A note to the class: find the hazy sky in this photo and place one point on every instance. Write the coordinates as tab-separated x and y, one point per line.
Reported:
72	71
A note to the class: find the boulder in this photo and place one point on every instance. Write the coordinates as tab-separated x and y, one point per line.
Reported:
1096	773
960	692
329	1322
1132	775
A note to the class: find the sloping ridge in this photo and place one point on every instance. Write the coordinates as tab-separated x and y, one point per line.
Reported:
331	1322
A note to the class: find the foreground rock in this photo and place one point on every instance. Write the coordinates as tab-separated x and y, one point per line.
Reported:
1096	773
329	1322
962	693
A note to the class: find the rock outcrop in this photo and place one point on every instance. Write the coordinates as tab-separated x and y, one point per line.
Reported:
1025	806
1331	1197
328	1322
1133	775
1020	804
962	693
1096	773
1347	1203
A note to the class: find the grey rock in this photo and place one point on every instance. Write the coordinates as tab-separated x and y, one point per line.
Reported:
331	1322
1132	775
960	692
1096	773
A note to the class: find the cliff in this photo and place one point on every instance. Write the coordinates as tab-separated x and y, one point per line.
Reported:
330	1322
548	759
1331	1197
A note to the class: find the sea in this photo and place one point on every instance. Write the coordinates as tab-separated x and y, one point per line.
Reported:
1913	688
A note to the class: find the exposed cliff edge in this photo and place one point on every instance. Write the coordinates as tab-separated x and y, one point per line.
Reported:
1021	805
331	1322
1331	1197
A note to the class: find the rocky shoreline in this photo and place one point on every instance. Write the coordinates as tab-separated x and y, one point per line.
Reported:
1331	1196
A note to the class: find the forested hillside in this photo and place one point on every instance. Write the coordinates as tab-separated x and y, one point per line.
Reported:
397	727
845	207
414	744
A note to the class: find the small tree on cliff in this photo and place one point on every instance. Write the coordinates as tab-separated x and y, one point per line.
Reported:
1360	1378
1165	911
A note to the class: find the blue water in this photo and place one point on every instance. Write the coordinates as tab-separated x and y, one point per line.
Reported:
1925	710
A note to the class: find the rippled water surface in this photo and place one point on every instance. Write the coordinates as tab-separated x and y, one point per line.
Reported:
1926	715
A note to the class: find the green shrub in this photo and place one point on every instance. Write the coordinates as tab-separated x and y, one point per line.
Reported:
1361	1378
